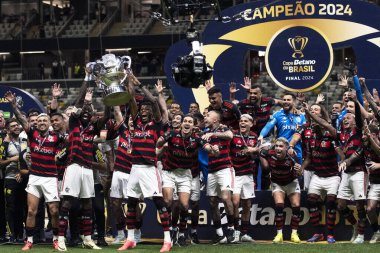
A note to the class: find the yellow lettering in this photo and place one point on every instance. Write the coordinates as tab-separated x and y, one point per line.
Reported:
299	9
268	11
279	9
309	9
289	10
257	14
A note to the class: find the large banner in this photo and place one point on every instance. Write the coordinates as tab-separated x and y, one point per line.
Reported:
27	100
261	220
297	37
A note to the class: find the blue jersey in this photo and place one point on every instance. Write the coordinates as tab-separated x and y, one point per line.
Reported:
286	124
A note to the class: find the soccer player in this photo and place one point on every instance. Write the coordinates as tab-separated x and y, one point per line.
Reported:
221	175
321	152
373	167
229	112
78	181
43	172
286	121
145	179
354	179
243	149
181	157
284	171
257	106
122	169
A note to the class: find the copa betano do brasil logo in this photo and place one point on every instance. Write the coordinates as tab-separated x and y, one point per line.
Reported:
299	58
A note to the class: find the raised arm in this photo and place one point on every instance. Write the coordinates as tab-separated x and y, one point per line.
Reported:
323	123
11	97
161	102
56	92
370	99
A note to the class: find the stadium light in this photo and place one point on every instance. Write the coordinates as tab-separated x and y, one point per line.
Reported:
32	52
118	49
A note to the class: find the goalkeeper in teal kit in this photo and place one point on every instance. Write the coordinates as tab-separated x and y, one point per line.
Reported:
286	121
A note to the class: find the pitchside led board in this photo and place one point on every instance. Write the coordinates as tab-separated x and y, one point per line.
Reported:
298	38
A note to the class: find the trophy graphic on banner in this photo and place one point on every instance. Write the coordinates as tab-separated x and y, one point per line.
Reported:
298	44
109	73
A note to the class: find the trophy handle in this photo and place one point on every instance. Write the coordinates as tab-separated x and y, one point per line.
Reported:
127	61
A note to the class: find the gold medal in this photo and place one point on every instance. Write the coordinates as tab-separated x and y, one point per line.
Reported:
129	151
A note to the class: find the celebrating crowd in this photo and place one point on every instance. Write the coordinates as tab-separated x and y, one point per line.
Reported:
152	150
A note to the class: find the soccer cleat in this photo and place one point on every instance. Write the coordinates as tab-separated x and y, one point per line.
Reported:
295	238
194	238
127	245
166	247
118	239
330	239
247	238
55	244
181	241
101	242
230	235
359	239
220	239
354	232
28	246
279	238
90	244
137	235
375	238
236	237
61	244
316	238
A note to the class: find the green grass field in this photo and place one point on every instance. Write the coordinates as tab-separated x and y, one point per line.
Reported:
238	248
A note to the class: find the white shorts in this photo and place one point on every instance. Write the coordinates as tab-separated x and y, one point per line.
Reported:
178	179
293	187
374	192
244	186
219	181
353	186
307	176
195	194
321	185
46	187
119	185
144	181
78	182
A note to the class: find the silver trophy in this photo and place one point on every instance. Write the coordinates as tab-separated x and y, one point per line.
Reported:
110	74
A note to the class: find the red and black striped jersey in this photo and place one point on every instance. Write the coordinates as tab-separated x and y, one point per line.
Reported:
260	113
123	160
223	160
281	171
61	166
181	152
81	140
371	156
323	156
43	150
144	141
242	163
230	114
352	143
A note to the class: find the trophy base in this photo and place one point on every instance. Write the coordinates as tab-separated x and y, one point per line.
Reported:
116	95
